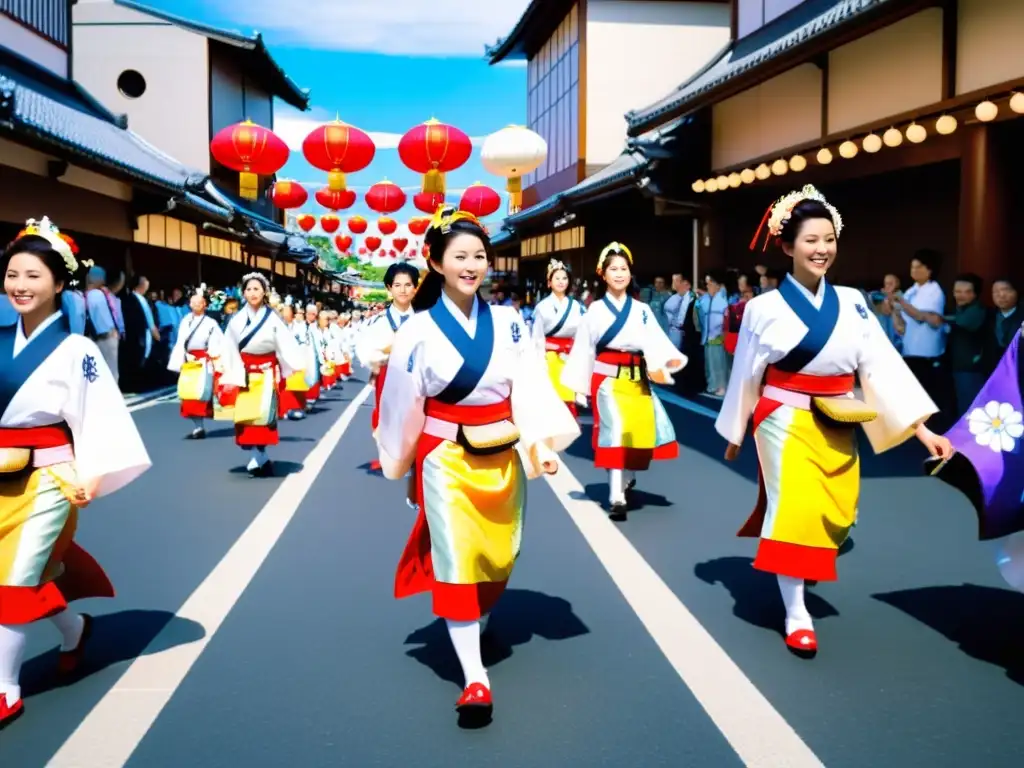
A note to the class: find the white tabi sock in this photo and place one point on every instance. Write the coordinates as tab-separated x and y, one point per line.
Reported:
197	423
465	637
70	626
12	653
797	616
259	458
615	486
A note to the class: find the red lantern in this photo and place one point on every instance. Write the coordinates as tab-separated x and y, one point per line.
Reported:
412	253
419	225
288	194
385	197
480	200
434	149
393	253
373	243
428	202
400	243
329	223
336	200
357	225
306	221
253	151
362	251
343	242
386	226
338	148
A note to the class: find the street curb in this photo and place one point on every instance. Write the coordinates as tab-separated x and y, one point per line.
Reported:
148	397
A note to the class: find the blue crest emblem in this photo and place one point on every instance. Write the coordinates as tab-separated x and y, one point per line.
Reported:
516	333
90	371
643	316
861	311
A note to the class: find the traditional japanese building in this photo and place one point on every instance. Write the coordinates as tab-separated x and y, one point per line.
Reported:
588	63
902	111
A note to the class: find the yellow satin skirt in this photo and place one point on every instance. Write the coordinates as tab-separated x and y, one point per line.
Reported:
37	523
555	367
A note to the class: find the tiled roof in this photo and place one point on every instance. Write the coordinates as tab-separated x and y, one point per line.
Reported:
276	79
804	23
71	125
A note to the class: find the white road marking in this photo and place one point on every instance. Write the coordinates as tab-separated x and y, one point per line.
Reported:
110	733
756	731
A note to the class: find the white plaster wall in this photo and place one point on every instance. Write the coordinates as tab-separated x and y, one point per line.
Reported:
636	53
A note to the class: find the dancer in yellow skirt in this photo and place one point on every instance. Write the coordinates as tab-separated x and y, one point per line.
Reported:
465	397
618	347
556	318
798	351
66	438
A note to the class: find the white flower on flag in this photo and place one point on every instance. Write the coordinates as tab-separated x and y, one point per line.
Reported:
997	426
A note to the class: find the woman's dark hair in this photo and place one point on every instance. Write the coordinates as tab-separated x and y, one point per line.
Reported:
437	242
633	289
41	248
401	268
803	211
568	275
930	259
264	284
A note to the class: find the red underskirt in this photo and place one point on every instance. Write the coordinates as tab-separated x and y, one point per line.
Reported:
82	578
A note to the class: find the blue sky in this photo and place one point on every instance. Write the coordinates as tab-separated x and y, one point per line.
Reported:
383	76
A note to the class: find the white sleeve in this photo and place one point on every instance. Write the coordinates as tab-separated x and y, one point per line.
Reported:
233	369
177	358
891	390
290	355
402	414
106	441
659	351
215	344
579	366
371	343
744	390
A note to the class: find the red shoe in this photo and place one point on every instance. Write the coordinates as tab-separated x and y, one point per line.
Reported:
476	698
69	661
9	714
803	642
374	465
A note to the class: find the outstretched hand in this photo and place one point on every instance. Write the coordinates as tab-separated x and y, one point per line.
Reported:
731	452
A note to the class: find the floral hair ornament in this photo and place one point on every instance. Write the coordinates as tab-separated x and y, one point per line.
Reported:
62	244
446	215
554	265
256	276
779	212
613	249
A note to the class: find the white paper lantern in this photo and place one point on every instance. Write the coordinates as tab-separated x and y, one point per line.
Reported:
723	181
848	150
824	156
512	153
797	163
747	176
945	125
916	133
711	185
1017	103
698	186
762	172
986	111
872	143
735	180
780	167
892	138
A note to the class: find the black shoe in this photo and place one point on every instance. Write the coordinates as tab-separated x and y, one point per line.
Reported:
197	434
618	511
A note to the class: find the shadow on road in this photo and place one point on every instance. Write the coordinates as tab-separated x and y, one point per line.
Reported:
756	593
216	434
638	498
987	623
519	615
117	637
281	469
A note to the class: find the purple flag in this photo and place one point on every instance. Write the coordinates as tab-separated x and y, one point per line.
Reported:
988	465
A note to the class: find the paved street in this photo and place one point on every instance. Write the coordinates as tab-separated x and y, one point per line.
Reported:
255	626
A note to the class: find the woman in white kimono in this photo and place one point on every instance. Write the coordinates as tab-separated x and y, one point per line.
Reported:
66	438
619	346
467	401
292	389
556	318
314	356
196	349
798	352
258	351
347	342
374	345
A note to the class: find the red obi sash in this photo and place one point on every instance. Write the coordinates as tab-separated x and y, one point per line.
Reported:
256	363
469	415
807	384
52	436
558	344
201	354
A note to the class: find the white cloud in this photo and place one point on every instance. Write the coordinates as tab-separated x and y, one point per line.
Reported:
396	27
293	127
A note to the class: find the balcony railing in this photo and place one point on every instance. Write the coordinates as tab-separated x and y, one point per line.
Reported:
49	18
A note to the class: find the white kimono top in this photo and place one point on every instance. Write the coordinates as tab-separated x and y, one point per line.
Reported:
262	332
195	332
626	325
558	319
851	340
483	359
56	376
374	344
